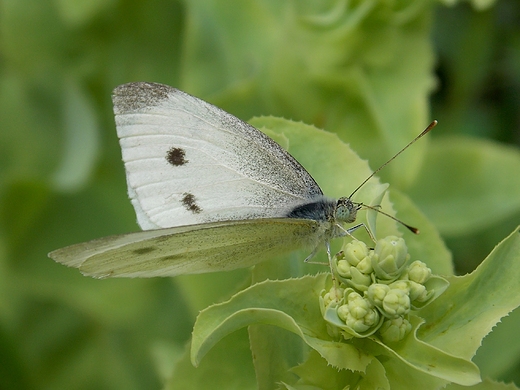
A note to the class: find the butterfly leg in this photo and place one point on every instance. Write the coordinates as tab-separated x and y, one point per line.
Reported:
335	283
349	231
313	253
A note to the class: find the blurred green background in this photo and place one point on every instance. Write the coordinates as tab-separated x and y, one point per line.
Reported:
374	72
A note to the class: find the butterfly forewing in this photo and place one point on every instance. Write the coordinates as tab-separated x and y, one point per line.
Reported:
189	162
210	247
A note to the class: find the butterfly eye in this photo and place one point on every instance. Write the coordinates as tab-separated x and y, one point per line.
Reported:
346	211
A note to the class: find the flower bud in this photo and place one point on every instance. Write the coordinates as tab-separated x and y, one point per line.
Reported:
389	258
343	268
396	303
418	292
365	266
395	329
358	313
419	272
356	251
376	293
401	285
343	312
333	295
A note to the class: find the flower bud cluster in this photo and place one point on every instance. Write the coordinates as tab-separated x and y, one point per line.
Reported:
378	290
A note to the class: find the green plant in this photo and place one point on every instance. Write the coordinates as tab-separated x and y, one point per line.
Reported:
362	70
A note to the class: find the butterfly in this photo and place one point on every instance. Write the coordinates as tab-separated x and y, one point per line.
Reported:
211	193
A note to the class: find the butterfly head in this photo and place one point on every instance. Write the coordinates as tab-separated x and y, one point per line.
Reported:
346	210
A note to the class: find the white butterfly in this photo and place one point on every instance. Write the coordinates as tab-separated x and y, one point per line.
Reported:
217	193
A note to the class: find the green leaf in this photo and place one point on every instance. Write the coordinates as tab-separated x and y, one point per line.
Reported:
316	372
498	354
290	304
487	384
425	358
467	311
275	350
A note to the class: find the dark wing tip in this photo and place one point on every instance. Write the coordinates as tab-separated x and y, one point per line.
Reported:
138	96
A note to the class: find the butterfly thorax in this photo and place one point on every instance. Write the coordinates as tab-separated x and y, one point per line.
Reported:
331	213
322	209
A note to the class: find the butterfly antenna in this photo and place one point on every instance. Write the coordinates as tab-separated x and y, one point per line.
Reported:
425	131
411	228
414	230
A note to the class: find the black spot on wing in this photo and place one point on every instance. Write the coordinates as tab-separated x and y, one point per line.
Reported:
176	157
189	201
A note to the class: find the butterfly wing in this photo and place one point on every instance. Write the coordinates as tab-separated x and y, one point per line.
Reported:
189	162
210	247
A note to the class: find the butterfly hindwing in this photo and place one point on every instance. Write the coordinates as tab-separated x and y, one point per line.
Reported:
189	162
218	246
